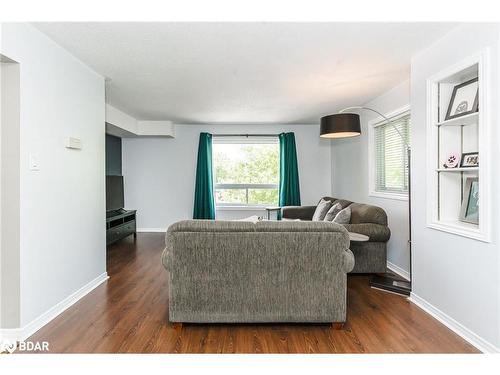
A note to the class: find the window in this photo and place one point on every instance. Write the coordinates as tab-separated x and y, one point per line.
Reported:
390	169
246	171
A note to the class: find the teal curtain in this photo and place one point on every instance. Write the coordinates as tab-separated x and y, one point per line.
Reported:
204	204
289	190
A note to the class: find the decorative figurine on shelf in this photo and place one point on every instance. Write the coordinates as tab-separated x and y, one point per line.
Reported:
452	160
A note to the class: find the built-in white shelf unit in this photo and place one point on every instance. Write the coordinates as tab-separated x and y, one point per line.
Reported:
446	187
468	169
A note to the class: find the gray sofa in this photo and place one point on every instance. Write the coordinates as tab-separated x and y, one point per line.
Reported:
234	271
370	256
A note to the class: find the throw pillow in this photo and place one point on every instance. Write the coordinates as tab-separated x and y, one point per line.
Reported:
332	212
321	210
343	217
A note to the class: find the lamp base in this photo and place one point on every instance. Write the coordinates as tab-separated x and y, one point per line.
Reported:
391	284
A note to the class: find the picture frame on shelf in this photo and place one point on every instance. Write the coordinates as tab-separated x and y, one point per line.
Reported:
464	99
469	211
469	160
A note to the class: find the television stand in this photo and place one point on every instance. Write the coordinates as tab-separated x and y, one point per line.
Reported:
120	224
115	213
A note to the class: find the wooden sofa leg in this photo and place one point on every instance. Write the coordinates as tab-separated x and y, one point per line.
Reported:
337	326
177	326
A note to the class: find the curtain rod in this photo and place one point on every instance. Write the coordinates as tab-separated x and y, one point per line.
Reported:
245	135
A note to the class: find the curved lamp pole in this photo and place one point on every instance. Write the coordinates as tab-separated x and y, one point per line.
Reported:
340	126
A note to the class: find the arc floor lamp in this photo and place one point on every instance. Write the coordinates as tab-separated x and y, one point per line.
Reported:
343	125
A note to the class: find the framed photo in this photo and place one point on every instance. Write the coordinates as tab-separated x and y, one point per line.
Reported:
464	99
470	204
469	159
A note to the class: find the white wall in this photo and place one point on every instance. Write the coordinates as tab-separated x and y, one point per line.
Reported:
350	163
121	119
159	173
62	207
456	275
120	124
1	206
9	196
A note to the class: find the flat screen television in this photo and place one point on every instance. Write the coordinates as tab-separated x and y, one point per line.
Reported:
114	193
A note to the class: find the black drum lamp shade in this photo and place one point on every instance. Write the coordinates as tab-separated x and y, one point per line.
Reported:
340	125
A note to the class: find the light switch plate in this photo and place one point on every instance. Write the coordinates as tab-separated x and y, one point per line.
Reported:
74	143
34	164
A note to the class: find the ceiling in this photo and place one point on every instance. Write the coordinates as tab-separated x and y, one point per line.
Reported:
244	72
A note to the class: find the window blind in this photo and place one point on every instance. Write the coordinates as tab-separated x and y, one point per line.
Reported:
391	159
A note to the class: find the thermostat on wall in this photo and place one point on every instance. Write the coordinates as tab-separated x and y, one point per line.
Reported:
74	143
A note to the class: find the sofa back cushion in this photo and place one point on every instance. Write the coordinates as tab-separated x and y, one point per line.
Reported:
212	226
366	213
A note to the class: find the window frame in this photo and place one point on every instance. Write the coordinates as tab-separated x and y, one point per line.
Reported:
238	140
372	124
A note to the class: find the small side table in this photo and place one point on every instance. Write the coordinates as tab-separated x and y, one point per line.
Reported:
272	209
358	237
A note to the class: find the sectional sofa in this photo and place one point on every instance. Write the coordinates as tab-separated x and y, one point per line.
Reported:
370	256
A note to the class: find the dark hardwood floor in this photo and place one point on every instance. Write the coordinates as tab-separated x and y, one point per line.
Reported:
129	313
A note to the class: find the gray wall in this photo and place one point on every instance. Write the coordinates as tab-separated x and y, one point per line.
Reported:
113	155
458	276
350	163
60	97
10	281
159	173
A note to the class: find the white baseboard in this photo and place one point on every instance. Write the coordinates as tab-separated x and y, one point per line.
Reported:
21	334
398	270
459	329
151	230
